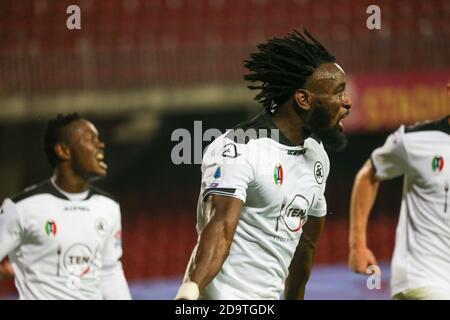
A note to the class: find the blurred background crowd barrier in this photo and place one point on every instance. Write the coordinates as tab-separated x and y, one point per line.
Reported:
140	69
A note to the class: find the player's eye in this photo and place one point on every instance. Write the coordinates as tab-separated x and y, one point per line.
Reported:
92	139
342	94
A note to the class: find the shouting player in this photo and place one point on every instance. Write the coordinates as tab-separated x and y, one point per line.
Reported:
63	236
263	183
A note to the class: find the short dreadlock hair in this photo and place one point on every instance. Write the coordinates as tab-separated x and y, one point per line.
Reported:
54	134
283	65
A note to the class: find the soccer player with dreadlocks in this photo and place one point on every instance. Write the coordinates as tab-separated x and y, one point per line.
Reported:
263	182
63	236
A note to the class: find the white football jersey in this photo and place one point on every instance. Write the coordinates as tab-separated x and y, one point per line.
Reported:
63	246
280	185
422	247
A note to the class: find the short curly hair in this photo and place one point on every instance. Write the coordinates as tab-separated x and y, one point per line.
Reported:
54	134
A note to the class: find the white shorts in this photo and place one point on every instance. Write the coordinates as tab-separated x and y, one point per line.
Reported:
424	293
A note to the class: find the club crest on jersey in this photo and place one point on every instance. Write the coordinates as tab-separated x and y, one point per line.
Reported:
101	227
50	228
318	172
437	164
278	174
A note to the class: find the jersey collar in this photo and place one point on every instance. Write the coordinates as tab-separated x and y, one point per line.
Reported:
446	124
54	190
283	140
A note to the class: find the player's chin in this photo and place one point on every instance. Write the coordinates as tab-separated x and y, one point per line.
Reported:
335	139
101	172
100	168
97	171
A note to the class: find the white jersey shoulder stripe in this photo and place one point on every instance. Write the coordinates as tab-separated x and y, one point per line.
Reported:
46	187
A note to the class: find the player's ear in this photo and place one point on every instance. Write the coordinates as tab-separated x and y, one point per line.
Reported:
303	99
62	151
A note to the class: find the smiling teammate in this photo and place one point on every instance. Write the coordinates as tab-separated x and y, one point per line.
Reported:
63	236
264	182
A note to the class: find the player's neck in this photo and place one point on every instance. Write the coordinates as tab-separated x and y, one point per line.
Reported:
289	124
68	181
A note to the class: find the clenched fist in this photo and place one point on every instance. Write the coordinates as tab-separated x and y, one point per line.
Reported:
360	259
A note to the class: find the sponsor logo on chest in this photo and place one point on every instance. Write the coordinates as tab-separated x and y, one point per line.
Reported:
76	208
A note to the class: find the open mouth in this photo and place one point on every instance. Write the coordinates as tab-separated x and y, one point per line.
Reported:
101	162
341	126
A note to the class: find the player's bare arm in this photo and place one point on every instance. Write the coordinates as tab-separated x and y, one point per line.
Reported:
215	240
301	265
6	270
364	193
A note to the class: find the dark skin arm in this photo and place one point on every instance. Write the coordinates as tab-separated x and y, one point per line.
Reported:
6	270
215	240
301	264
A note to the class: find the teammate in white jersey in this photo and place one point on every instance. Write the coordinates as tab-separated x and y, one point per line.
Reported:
263	183
63	236
420	266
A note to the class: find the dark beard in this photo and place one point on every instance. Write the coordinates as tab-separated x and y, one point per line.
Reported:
317	122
